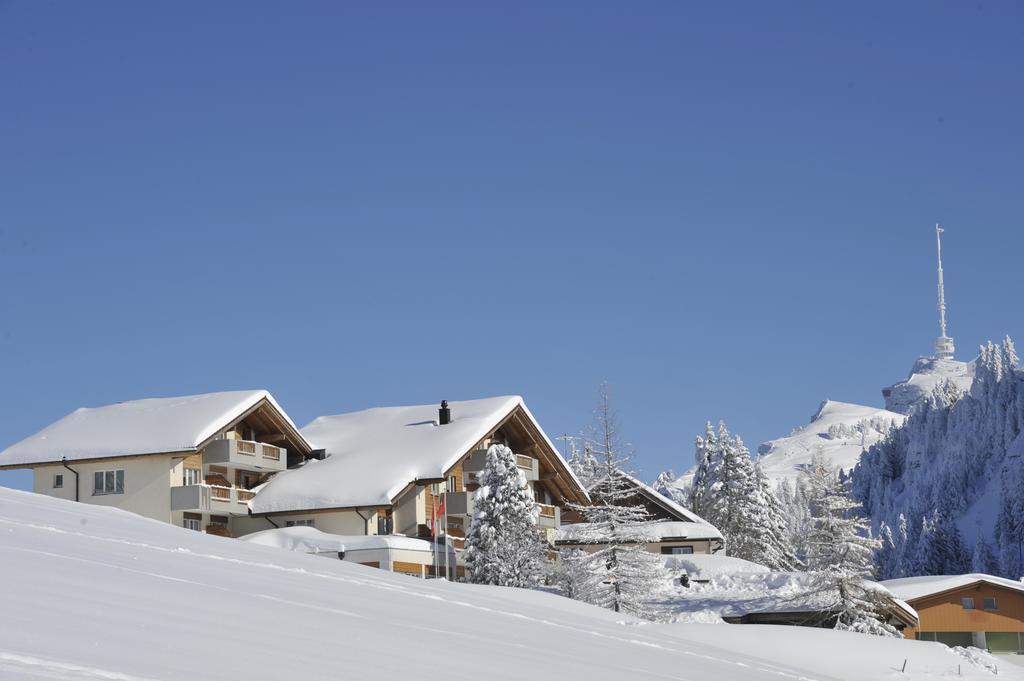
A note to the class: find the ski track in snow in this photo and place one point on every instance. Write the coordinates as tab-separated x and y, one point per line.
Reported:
666	645
14	666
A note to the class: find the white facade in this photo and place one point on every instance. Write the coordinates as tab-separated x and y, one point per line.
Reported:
146	486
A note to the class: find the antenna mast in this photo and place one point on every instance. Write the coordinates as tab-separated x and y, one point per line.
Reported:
943	344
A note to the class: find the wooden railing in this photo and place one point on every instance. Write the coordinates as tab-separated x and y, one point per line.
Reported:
524	461
547	511
220	493
246	447
244	495
271	452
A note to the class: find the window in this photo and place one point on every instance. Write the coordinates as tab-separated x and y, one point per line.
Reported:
192	524
968	603
677	550
451	484
990	603
58	480
299	523
108	482
383	524
191	476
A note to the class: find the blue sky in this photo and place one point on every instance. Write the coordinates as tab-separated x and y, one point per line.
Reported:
723	211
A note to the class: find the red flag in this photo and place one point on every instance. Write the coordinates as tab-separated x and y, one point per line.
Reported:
439	514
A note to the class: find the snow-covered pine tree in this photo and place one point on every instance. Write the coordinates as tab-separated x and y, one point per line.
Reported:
734	496
841	553
797	515
885	556
627	577
572	575
941	549
583	463
984	558
773	548
503	546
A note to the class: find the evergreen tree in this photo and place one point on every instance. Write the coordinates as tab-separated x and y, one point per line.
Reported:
798	518
773	548
583	463
841	552
503	546
734	495
627	577
941	547
984	559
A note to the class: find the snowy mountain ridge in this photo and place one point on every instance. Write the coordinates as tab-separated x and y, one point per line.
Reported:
840	430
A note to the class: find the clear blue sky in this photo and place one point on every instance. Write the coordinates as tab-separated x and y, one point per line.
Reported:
724	211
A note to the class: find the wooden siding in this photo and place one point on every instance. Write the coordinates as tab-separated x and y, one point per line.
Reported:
945	611
218	529
373	564
407	568
194	461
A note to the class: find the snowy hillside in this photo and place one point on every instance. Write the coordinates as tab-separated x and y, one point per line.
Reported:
928	372
839	430
97	593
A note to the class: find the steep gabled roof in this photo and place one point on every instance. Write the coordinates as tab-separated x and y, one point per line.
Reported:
678	512
373	455
681	513
150	426
916	588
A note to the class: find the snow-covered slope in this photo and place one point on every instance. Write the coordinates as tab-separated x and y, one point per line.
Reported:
839	430
904	397
97	593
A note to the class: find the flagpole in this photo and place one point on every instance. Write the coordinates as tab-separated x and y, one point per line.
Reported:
433	521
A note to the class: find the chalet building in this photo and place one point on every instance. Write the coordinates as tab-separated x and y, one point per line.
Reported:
411	471
965	610
191	461
673	529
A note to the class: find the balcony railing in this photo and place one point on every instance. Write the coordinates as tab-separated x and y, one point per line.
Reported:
211	498
550	516
245	454
474	464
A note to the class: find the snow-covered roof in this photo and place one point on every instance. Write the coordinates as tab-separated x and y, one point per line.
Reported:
913	588
301	539
653	532
312	540
376	453
703	566
684	514
150	426
731	592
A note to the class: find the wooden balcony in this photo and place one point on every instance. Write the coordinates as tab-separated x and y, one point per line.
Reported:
245	454
474	464
211	499
549	516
